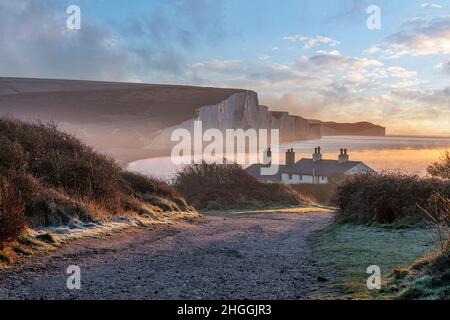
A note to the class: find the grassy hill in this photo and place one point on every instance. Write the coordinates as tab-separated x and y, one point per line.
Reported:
48	178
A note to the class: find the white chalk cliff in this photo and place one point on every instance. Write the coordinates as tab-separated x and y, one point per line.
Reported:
242	111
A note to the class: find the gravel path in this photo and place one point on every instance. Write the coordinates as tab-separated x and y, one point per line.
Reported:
263	256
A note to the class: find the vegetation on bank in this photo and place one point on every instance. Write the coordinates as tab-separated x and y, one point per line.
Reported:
318	193
394	197
214	186
397	213
386	198
350	249
428	278
48	177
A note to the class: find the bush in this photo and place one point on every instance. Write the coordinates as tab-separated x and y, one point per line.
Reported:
12	211
12	155
216	186
143	184
437	213
390	197
62	179
441	169
151	190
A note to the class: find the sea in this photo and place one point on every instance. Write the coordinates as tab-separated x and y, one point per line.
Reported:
409	154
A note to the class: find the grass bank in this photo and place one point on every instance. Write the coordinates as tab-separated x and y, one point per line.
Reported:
426	279
350	249
45	239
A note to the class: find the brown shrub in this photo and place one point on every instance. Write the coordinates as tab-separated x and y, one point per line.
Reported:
145	184
61	161
12	211
215	186
63	179
154	191
441	169
390	197
437	213
12	155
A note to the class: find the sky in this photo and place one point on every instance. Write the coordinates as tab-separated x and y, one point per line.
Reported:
314	58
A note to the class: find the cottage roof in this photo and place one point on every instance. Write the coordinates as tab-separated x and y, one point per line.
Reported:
255	171
321	168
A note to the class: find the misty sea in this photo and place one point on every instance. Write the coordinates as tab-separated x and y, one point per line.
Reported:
412	154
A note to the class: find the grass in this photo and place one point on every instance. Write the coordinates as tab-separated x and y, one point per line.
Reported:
350	249
268	210
26	245
426	279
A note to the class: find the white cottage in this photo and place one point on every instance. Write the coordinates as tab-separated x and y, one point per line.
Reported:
312	171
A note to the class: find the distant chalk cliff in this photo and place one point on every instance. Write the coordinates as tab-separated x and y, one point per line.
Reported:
242	111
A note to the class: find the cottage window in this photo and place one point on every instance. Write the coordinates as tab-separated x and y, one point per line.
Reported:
290	176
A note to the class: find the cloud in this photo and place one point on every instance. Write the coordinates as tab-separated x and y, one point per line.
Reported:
444	66
36	43
424	39
309	43
415	22
428	5
334	60
306	74
156	45
218	65
371	50
326	85
264	57
351	11
185	25
399	72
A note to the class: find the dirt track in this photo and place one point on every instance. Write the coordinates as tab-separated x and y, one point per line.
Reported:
264	256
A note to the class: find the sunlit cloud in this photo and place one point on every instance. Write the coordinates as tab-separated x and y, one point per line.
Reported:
431	38
428	5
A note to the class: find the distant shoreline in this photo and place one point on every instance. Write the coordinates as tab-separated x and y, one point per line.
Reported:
417	136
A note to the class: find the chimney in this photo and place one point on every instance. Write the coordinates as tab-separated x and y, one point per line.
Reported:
343	156
317	156
290	157
267	157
